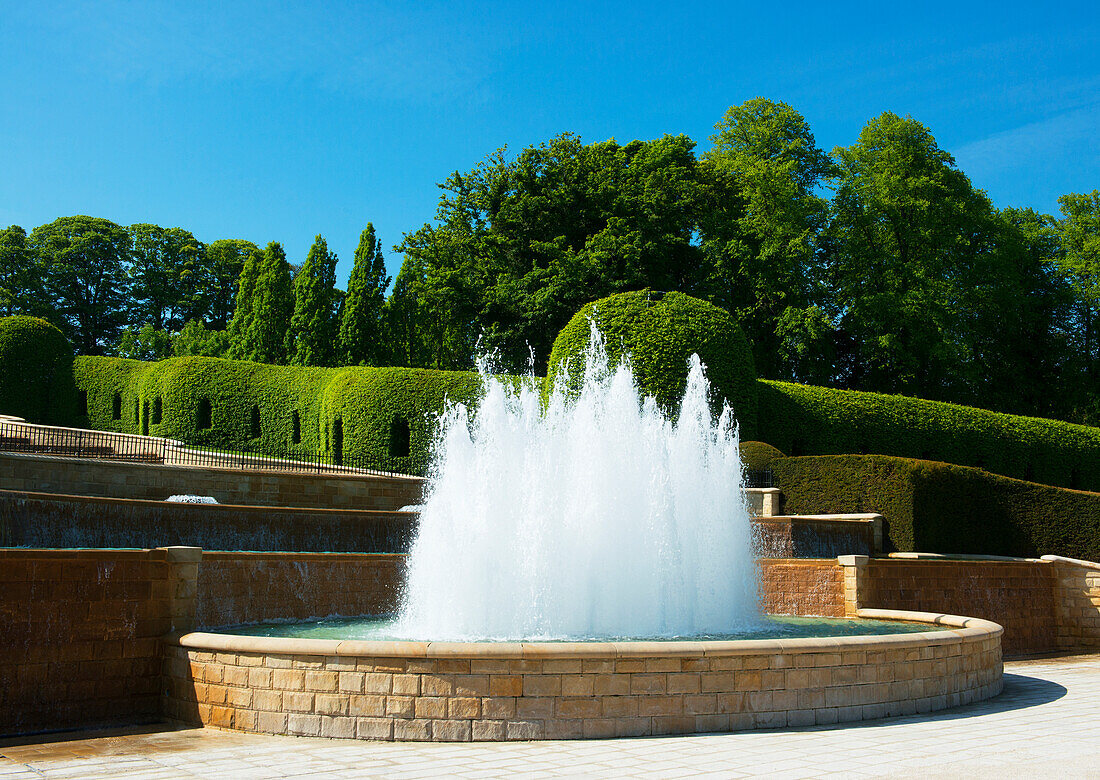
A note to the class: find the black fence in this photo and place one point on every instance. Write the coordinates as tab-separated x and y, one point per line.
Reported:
759	478
78	443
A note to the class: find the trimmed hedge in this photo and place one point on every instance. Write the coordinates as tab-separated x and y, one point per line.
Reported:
943	508
805	420
388	415
660	331
758	455
278	410
36	374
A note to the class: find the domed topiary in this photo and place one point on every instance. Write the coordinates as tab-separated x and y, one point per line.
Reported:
661	331
36	371
758	454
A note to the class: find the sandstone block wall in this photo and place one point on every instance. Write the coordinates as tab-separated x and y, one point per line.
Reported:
237	587
47	520
79	634
554	696
801	587
1077	595
86	477
1017	594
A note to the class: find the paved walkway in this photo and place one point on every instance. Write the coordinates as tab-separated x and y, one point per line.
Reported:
1043	725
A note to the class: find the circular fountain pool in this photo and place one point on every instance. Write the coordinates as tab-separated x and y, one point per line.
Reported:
461	691
387	629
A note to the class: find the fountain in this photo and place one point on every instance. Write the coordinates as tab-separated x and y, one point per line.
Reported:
580	566
594	516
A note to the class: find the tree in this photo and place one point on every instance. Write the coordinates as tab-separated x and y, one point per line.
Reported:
146	343
221	270
1080	236
311	340
195	339
762	250
164	276
20	279
361	317
909	251
244	310
1019	326
84	264
521	245
271	306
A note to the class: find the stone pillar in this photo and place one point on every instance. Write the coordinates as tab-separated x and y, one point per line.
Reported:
855	582
771	502
183	586
876	546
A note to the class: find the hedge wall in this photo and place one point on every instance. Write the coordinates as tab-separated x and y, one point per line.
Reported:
661	331
804	420
351	413
942	508
36	375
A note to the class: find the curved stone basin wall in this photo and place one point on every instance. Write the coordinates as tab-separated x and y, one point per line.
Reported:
498	691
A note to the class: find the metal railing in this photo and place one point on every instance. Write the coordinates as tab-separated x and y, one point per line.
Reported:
55	441
759	478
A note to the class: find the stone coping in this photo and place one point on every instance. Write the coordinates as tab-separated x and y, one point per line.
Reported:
1071	561
28	495
957	628
961	557
237	470
840	518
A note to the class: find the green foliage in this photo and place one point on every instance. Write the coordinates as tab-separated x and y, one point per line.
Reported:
84	261
366	401
146	343
243	313
20	282
758	454
165	276
660	332
943	508
196	339
224	262
36	375
265	304
313	326
362	319
520	245
762	255
382	409
805	420
1080	238
909	252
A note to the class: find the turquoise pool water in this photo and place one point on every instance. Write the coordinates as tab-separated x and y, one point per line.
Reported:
769	627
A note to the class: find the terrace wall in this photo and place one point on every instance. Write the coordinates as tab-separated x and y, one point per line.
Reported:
79	634
235	587
150	482
48	520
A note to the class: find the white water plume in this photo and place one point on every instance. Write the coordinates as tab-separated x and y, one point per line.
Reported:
592	516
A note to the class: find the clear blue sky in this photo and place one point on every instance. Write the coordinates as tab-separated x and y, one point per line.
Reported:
278	121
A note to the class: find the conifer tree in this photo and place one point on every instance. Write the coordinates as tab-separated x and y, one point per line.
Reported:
360	341
241	324
312	336
263	340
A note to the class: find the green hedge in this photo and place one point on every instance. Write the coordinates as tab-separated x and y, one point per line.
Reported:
943	508
660	331
758	455
388	415
166	398
36	375
804	420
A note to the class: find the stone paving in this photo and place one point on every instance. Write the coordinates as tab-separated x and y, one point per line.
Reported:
1043	725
